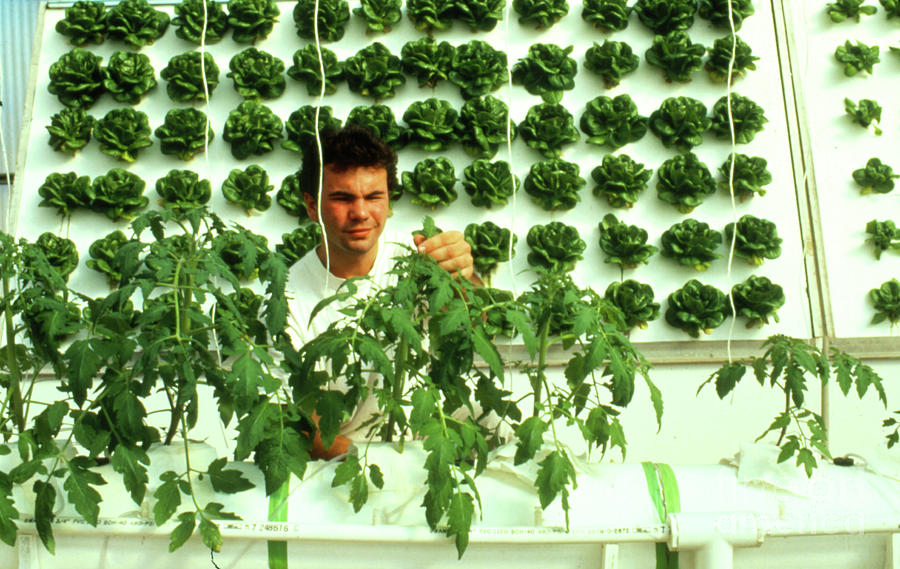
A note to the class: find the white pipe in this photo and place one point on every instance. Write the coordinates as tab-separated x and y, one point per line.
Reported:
717	554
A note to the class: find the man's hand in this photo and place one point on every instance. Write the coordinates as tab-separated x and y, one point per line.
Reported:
451	251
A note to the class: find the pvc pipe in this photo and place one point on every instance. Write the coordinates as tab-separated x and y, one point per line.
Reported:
717	554
696	530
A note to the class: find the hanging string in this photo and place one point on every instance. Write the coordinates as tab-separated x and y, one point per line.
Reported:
509	156
321	180
734	220
6	160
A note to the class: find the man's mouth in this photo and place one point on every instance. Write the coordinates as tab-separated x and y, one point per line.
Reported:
359	231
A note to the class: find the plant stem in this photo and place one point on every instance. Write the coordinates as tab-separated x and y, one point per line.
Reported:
399	380
537	382
787	409
15	374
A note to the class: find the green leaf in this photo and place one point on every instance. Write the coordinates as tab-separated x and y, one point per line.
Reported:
213	511
554	474
530	435
376	476
229	481
184	529
168	498
209	531
82	364
45	499
807	459
523	325
727	377
423	404
346	471
656	399
330	408
788	449
359	492
487	350
78	486
459	520
128	462
8	513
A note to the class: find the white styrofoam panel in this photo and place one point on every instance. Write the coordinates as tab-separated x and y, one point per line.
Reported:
839	146
646	87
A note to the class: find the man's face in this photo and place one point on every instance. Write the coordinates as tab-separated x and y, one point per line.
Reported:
355	206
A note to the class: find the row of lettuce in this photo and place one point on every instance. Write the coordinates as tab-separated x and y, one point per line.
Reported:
137	23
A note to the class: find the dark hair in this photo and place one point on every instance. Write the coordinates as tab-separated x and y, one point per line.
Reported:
349	147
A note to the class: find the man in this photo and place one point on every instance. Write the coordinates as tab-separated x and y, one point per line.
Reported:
360	175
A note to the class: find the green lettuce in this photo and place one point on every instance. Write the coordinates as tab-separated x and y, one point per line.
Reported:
866	113
70	130
379	15
555	247
128	76
750	175
183	189
547	127
620	179
478	68
252	20
697	307
189	21
248	188
301	129
482	125
136	23
606	15
611	61
380	120
676	55
306	69
692	243
756	240
554	184
374	72
857	58
720	58
123	132
875	177
84	22
635	301
183	74
489	183
680	122
252	128
432	124
118	194
547	70
76	78
299	242
664	16
333	16
103	253
885	235
182	133
757	299
540	13
684	181
886	301
624	245
716	11
427	60
747	118
613	122
431	183
65	192
490	245
257	74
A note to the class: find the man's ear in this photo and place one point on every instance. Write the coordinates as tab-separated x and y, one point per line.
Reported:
311	207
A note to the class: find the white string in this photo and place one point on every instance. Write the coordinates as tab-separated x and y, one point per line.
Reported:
728	80
6	161
321	181
509	157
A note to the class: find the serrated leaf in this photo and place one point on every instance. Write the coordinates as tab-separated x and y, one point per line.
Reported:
8	513
530	435
168	498
522	324
807	459
459	520
359	492
727	377
80	492
423	405
214	511
346	471
45	499
129	461
656	399
210	534
230	481
82	364
183	531
554	473
376	476
330	408
487	350
788	449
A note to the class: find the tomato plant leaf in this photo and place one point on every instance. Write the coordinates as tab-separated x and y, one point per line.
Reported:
530	435
186	523
459	520
79	489
129	462
229	481
168	498
554	474
45	500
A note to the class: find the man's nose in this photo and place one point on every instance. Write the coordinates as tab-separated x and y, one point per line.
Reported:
358	210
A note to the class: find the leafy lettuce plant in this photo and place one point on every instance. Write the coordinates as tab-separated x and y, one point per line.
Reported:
611	60
257	74
497	301
684	181
490	245
547	70
252	20
301	127
60	252
65	192
857	58
290	196
305	69
183	74
182	133
136	23
380	120
379	15
757	299
886	301
183	189
84	22
478	68
875	177
430	16
697	307
547	127
680	122
612	121
624	245
676	55
374	72
489	183
480	15
635	300
248	188
299	242
749	178
70	130
757	239
244	252
484	125
716	12
123	132
432	124
747	117
842	10
555	247
427	60
606	15
540	13
866	113
692	243
720	57
118	194
664	16
76	78
128	76
252	128
189	21
332	15
620	179
891	8
554	184
103	254
885	235
431	183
